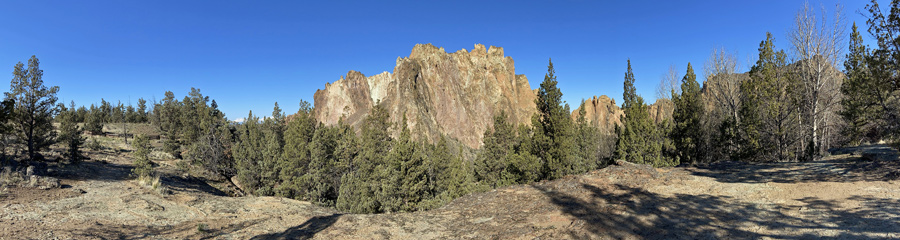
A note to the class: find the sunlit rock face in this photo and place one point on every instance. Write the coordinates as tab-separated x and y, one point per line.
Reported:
602	112
452	94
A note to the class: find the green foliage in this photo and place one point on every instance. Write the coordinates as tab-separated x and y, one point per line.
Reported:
296	157
256	154
640	140
880	80
70	135
769	110
358	188
143	167
504	158
404	180
94	144
93	121
34	107
167	114
553	137
688	130
860	102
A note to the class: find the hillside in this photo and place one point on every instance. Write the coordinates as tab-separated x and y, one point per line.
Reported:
725	200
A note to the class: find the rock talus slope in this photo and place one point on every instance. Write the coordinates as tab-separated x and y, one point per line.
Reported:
452	94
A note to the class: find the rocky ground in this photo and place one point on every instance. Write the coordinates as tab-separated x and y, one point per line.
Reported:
851	195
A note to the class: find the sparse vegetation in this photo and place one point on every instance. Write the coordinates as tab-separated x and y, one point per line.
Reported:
143	167
784	109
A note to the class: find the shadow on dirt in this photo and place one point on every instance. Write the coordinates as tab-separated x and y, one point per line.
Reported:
623	212
96	170
111	172
191	184
865	163
193	230
304	231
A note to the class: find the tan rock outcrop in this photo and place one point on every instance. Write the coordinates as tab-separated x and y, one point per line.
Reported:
602	112
662	110
454	94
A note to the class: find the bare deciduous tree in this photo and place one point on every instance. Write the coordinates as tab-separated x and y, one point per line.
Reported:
723	83
668	82
818	48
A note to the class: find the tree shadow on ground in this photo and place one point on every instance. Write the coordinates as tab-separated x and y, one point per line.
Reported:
191	184
96	170
624	212
112	172
864	163
189	230
304	231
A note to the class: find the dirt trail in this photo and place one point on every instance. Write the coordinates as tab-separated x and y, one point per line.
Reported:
853	195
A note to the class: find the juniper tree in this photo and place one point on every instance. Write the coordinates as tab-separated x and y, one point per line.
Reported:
70	134
769	110
359	185
860	103
688	113
168	112
248	155
34	107
295	157
553	137
142	110
639	140
883	65
93	121
143	167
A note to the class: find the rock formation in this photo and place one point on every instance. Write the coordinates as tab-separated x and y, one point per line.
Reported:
453	94
662	110
602	112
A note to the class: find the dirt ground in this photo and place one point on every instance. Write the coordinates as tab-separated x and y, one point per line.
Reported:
851	195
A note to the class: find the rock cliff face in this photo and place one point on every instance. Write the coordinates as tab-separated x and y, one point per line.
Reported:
602	112
453	94
662	110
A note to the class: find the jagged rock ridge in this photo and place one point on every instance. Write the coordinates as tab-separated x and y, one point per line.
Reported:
453	94
604	114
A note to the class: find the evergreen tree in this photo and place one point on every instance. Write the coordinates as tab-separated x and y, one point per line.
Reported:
590	143
143	167
493	158
553	137
70	135
93	121
320	179
359	186
249	156
301	130
859	101
211	149
404	179
34	108
639	140
688	131
168	112
142	110
769	117
883	65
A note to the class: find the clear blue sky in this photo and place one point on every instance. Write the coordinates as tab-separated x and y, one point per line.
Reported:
248	54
